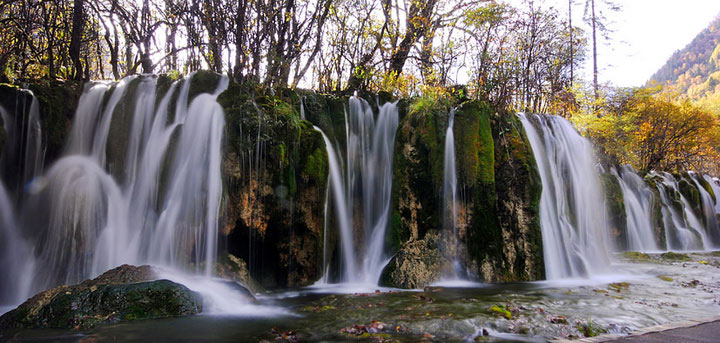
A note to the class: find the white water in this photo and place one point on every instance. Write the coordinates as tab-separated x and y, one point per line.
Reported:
639	201
23	157
573	215
683	230
139	186
715	185
450	198
361	193
709	218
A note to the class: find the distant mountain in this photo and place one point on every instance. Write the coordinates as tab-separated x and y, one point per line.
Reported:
694	71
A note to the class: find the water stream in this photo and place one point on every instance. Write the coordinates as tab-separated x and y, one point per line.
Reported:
361	193
139	183
573	215
639	203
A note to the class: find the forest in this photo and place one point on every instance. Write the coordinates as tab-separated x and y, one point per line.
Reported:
519	58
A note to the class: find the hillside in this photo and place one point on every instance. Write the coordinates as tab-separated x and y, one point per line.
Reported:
694	71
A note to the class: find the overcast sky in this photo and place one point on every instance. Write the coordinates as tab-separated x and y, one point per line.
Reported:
646	33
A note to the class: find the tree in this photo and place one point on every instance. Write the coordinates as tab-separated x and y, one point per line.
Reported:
597	19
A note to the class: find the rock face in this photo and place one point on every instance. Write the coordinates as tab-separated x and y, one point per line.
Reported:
121	294
616	210
518	188
275	171
417	264
498	232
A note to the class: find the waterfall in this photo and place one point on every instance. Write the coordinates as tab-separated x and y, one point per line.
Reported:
15	254
639	203
683	230
362	192
349	261
573	215
139	182
23	157
715	185
710	220
450	196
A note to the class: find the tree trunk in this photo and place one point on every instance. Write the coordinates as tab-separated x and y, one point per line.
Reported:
595	68
572	44
78	23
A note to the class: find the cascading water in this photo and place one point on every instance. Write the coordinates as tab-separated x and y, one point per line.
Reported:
639	203
572	206
450	197
683	230
709	220
715	185
137	184
362	197
22	158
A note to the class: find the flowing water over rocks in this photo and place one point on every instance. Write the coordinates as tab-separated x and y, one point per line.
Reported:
645	290
572	208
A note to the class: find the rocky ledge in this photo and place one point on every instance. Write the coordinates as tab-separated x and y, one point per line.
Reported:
121	294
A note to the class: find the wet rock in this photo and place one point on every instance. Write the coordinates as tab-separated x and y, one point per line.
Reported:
122	294
500	310
673	256
636	256
617	218
518	188
275	170
233	268
416	265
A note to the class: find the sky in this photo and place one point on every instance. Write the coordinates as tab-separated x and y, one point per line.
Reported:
645	34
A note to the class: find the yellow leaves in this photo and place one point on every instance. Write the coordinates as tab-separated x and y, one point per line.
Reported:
653	130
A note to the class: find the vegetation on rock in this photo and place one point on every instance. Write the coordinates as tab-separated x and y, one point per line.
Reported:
125	293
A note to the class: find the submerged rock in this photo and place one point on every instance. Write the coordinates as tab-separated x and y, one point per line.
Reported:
121	294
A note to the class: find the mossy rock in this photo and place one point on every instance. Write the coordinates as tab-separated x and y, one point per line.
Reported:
203	81
691	193
417	264
673	256
500	310
58	101
616	210
518	187
275	168
121	294
636	256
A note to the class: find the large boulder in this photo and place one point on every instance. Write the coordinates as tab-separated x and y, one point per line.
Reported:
121	294
417	264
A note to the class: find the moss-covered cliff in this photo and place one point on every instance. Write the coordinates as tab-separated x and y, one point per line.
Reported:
275	170
499	190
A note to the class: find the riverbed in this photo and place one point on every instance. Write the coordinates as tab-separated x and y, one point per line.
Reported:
643	290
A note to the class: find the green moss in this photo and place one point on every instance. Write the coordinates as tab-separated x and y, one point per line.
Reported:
58	101
475	148
665	278
616	209
316	165
636	256
590	329
673	256
619	286
500	310
203	81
